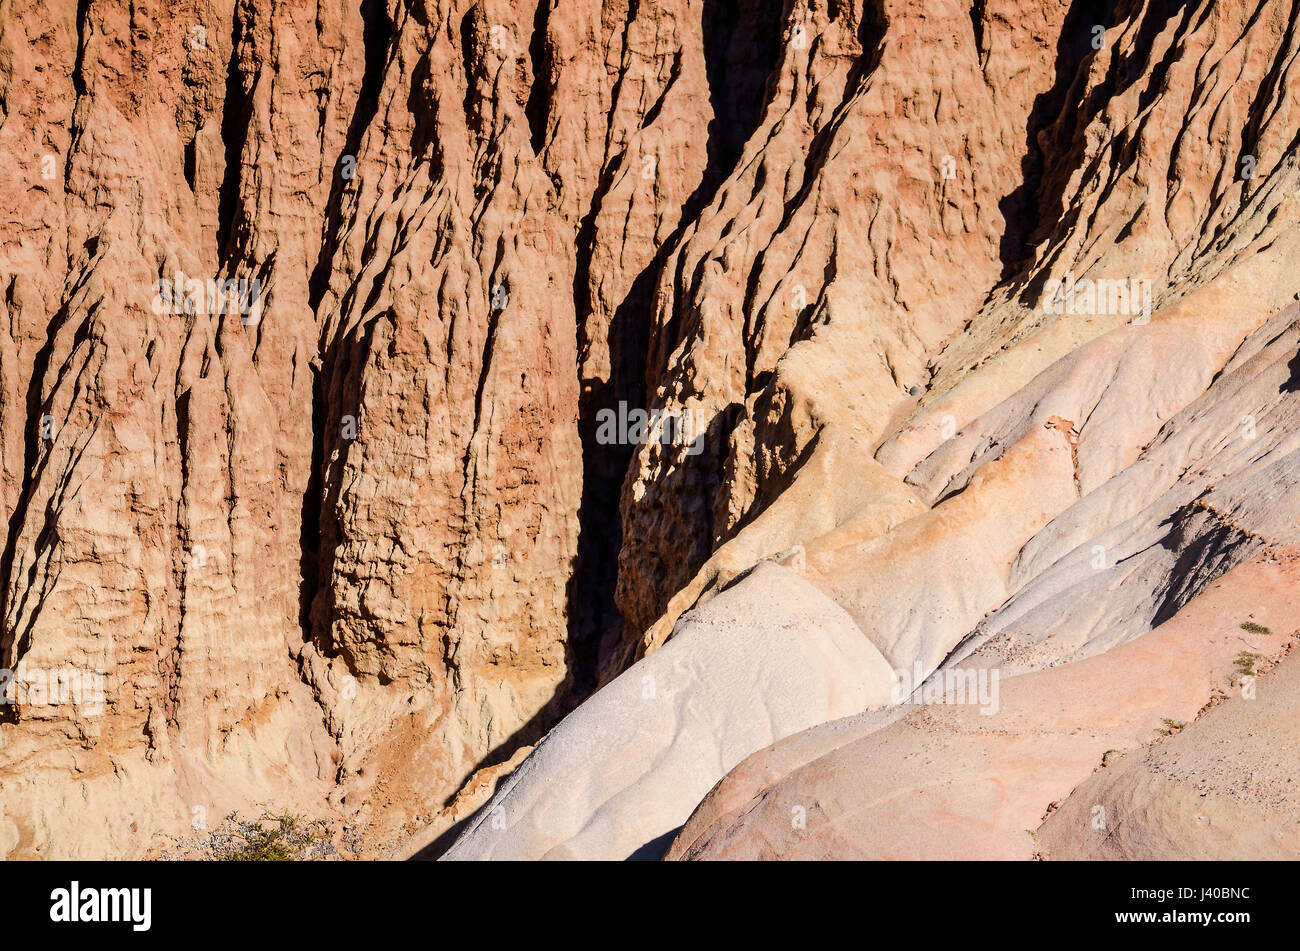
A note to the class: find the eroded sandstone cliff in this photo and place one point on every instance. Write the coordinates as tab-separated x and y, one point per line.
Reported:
972	316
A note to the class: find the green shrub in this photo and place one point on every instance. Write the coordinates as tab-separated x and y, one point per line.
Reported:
1246	662
272	838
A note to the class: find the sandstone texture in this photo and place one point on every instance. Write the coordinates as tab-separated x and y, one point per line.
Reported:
964	341
754	665
952	781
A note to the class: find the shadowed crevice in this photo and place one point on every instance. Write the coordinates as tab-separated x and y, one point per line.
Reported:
538	108
236	117
741	41
376	37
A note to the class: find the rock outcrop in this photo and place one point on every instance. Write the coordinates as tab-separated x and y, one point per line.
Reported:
389	393
950	780
1010	403
756	664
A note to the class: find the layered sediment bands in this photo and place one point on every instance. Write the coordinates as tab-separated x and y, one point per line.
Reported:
182	491
155	458
926	204
339	549
346	522
451	464
858	231
1156	776
1033	415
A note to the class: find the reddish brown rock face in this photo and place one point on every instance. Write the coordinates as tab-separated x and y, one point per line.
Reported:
325	331
340	525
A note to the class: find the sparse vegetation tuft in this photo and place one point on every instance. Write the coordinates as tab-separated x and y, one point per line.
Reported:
271	838
1246	662
1254	628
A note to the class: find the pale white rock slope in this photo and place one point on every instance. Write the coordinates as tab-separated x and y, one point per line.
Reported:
767	658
